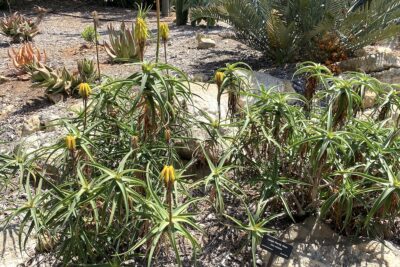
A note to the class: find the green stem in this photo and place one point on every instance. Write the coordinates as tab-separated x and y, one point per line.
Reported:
85	114
97	47
165	54
158	29
169	200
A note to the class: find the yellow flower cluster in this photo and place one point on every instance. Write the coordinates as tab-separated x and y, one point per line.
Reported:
168	174
141	30
164	31
84	90
219	78
70	142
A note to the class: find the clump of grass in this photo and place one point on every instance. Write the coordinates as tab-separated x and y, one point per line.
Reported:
89	34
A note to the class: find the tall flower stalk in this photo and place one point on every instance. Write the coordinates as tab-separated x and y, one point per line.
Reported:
95	16
168	176
158	29
70	144
141	33
84	92
164	31
219	79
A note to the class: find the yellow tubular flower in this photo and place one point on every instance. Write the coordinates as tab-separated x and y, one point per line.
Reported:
168	174
141	30
219	78
165	174
164	31
70	142
84	90
171	174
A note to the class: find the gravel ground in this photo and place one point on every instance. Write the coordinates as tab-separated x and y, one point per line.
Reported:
60	38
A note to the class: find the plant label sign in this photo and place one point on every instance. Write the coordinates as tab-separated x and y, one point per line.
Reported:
277	247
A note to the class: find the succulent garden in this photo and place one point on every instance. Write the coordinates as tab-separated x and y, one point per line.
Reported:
182	132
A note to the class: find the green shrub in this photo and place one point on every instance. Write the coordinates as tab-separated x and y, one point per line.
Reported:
107	200
89	34
298	30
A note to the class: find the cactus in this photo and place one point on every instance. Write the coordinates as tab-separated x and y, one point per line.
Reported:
122	47
26	57
86	70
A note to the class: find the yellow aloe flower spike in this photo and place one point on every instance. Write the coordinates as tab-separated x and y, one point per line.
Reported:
84	90
219	78
70	142
171	174
165	174
141	30
164	31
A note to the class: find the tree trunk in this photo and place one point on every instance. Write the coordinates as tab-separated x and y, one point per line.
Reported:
165	8
181	15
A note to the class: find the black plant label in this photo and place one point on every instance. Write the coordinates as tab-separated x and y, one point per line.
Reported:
276	247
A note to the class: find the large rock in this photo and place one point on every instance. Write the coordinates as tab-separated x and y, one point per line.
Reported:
205	102
391	76
371	63
276	84
315	244
372	50
10	254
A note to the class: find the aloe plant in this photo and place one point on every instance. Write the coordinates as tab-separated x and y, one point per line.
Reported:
19	28
122	47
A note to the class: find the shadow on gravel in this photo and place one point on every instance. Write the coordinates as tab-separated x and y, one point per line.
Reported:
34	105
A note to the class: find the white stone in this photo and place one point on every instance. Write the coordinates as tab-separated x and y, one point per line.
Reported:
6	111
205	43
315	244
369	99
31	125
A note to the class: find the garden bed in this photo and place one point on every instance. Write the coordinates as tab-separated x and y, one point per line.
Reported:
27	115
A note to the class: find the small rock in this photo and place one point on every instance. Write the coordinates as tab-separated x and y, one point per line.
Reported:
55	98
48	121
4	79
76	107
227	34
24	77
369	99
6	110
200	77
31	125
205	43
